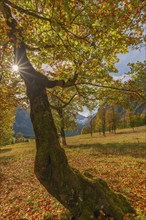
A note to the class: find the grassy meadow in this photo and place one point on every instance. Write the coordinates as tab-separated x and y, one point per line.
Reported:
118	159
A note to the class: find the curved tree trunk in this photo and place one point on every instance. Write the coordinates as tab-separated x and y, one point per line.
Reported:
82	197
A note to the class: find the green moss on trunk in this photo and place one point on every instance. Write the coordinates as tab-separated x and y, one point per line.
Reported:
81	196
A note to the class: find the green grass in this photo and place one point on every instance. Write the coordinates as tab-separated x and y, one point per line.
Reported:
122	136
119	159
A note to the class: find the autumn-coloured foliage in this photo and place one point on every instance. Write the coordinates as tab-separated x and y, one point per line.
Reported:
7	112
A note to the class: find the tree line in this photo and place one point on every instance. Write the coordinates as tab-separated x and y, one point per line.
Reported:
110	118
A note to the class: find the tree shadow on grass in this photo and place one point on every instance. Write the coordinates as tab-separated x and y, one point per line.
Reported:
6	159
137	150
4	150
131	132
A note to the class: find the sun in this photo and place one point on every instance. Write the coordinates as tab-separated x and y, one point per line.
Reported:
15	68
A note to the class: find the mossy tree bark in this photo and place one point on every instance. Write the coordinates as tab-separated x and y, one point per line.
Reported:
77	193
83	197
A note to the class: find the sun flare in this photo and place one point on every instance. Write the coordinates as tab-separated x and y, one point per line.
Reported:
15	68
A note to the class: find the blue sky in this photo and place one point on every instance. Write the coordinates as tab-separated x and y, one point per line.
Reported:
131	57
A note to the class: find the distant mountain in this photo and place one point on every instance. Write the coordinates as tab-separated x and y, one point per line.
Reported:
23	123
82	120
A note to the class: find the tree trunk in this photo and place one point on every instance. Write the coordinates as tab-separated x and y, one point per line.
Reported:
83	197
114	120
62	127
63	138
103	121
91	127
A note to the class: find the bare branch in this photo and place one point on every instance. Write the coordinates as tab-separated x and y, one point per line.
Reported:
57	108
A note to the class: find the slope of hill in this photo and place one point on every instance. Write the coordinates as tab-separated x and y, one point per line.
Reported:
23	123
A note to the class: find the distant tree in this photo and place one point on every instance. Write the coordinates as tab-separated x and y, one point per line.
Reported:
112	118
7	114
65	122
91	123
98	126
66	107
102	118
143	118
19	137
131	119
138	120
86	130
91	127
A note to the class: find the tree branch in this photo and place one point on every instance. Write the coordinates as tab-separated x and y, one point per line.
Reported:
112	87
71	33
22	10
103	86
57	108
71	81
30	13
27	71
67	103
30	48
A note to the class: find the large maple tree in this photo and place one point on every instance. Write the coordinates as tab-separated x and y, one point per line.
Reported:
79	40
